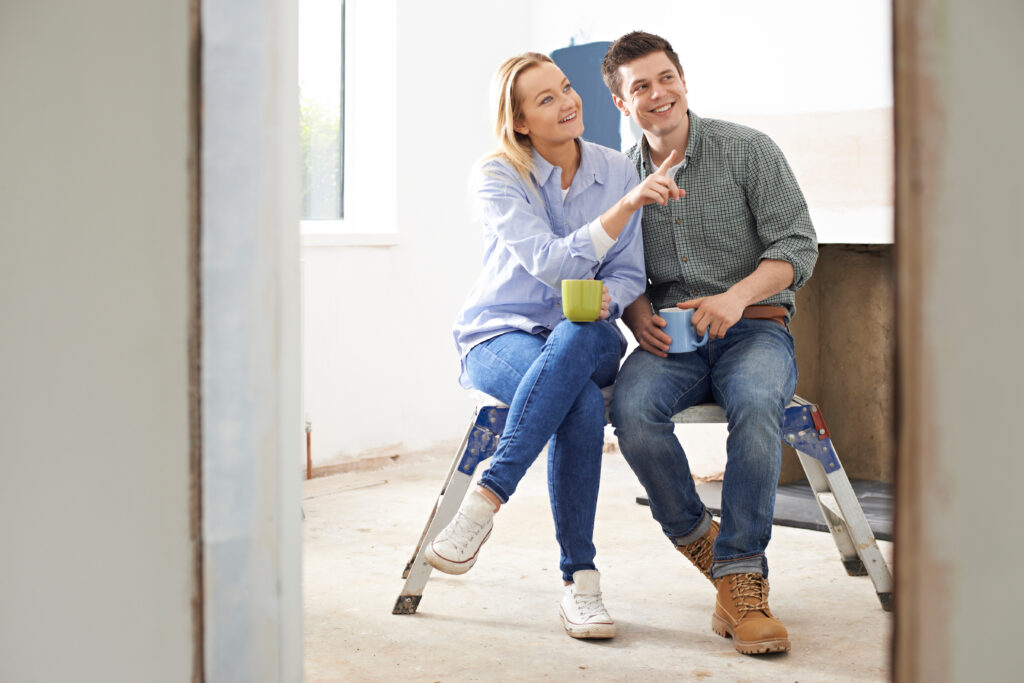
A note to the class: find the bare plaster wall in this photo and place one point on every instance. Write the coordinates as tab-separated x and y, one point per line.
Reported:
96	567
251	427
960	200
845	345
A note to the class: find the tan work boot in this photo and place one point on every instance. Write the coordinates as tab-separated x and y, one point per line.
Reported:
700	551
741	613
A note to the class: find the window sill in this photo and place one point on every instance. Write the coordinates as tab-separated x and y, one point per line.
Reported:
350	239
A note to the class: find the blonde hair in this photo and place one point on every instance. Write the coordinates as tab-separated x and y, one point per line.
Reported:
512	146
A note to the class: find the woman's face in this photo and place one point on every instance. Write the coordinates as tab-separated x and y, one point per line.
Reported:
552	112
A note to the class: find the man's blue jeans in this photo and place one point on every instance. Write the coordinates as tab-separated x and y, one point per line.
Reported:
552	384
751	373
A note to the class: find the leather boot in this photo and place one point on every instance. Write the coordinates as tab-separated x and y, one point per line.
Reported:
741	613
700	552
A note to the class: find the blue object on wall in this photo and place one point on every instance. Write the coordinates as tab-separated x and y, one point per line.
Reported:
582	65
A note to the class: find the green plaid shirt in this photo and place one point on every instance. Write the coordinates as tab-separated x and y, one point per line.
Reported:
742	205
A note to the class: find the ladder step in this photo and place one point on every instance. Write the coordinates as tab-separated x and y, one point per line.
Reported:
829	501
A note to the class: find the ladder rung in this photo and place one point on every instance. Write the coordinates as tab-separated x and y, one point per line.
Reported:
829	501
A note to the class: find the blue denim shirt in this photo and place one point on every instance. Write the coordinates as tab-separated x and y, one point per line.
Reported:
533	240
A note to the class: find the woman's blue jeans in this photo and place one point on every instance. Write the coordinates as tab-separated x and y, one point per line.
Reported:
552	385
751	373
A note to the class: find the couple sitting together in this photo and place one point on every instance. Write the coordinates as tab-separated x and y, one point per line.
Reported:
701	214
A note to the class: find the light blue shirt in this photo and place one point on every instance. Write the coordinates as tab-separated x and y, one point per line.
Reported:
533	240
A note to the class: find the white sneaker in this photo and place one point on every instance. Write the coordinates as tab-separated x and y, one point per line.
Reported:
583	613
455	549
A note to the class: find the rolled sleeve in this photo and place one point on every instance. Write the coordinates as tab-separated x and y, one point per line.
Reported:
783	221
600	238
624	272
801	251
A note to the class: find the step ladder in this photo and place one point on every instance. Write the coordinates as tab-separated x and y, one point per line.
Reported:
804	429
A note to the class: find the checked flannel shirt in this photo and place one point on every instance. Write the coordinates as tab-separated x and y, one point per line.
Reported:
742	205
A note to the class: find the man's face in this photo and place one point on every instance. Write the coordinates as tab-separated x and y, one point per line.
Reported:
653	93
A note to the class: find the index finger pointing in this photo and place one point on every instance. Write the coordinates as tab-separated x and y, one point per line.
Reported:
667	164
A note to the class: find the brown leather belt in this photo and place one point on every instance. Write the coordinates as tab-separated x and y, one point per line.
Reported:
776	313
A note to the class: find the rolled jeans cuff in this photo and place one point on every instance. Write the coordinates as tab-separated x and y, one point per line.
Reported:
752	564
493	488
697	532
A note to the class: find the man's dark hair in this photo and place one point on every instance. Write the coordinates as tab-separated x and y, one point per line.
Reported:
629	47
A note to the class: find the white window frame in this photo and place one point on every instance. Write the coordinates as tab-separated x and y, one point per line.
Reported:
370	216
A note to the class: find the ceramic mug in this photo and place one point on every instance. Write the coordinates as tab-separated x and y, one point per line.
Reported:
679	327
581	300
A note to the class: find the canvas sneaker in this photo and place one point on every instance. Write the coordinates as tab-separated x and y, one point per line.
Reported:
583	613
454	550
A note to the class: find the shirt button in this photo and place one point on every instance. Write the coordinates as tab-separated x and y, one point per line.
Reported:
694	292
678	222
684	259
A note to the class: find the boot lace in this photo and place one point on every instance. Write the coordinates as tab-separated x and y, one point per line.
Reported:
750	593
701	551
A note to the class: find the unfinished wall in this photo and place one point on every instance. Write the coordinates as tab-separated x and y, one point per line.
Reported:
960	185
97	572
844	333
251	425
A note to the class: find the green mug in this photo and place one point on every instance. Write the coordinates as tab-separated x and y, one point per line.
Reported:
581	300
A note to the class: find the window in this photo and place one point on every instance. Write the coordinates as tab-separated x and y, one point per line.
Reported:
322	108
347	90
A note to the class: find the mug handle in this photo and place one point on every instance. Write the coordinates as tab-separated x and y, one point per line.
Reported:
703	341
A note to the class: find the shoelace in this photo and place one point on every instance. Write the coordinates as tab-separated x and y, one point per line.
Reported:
700	552
590	606
464	529
750	593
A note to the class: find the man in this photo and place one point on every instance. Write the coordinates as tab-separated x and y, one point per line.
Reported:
735	248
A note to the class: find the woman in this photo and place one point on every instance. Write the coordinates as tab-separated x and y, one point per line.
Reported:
553	207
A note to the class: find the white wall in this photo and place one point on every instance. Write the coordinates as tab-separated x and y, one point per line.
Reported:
379	363
815	76
746	56
95	562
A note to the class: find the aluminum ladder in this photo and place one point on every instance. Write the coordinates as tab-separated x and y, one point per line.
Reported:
804	429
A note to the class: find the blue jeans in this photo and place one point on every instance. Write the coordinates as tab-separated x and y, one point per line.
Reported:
552	384
751	373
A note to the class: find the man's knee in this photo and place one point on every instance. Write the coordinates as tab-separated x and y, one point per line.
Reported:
761	397
626	415
636	404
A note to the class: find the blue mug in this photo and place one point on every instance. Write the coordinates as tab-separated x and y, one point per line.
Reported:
679	327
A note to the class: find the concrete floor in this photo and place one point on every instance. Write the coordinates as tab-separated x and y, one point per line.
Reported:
499	622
